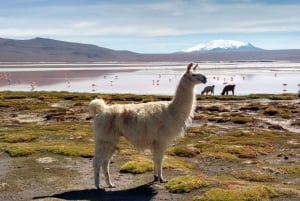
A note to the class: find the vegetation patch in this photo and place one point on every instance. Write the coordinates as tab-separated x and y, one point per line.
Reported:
185	184
17	137
171	162
140	164
251	175
296	122
259	193
183	151
285	114
221	156
242	120
285	96
271	111
289	169
19	149
231	152
137	166
82	149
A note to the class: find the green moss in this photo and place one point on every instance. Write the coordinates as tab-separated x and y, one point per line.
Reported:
289	169
260	141
183	151
70	149
259	193
251	175
17	137
171	162
271	111
296	122
242	120
286	96
231	152
19	149
230	97
185	184
137	166
219	155
219	119
285	114
82	149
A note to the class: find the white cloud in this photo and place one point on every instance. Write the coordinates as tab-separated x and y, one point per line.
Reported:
148	19
84	24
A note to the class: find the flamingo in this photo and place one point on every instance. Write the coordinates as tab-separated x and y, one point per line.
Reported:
93	87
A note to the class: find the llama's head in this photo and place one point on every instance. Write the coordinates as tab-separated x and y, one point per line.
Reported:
193	75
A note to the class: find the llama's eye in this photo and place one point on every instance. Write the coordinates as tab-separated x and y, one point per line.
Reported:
193	75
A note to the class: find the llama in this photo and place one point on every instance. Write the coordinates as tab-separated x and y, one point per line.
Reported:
228	88
208	89
152	125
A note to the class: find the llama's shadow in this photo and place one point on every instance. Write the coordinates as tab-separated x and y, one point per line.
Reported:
141	193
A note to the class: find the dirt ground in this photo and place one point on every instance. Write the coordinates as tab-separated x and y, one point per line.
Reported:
63	177
80	184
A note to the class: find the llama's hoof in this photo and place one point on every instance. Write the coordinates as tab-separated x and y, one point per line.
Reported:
163	181
100	189
111	186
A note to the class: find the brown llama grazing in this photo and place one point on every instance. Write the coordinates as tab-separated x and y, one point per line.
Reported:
228	88
152	125
208	89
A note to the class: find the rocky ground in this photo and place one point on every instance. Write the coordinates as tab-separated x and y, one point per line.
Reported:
47	147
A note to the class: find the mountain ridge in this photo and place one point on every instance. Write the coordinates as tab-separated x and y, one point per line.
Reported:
45	49
223	45
49	50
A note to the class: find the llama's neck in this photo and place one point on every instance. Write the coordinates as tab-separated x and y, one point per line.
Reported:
182	105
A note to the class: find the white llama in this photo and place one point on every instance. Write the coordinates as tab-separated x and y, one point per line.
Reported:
150	125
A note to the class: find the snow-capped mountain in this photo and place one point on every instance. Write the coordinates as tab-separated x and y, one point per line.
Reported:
222	45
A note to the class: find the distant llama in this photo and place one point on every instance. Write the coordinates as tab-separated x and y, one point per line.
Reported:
152	125
228	88
208	89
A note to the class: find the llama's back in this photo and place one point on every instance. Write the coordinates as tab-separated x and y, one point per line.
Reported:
141	124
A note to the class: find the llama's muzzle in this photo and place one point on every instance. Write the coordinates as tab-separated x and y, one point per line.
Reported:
202	78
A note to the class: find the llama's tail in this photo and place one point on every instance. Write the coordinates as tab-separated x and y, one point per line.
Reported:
96	106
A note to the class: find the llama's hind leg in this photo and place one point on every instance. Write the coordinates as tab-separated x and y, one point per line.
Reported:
103	154
105	168
96	166
108	151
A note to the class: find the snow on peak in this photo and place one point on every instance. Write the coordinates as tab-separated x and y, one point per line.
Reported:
217	44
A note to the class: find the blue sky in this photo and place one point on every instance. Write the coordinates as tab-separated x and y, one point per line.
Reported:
154	26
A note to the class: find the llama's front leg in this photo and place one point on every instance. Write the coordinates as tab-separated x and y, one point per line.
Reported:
105	168
158	155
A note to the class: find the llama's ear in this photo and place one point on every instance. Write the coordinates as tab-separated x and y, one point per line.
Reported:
195	67
189	67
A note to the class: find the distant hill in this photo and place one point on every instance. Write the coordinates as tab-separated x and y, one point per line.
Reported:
48	50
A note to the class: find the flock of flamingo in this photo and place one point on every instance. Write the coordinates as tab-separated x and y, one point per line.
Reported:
7	79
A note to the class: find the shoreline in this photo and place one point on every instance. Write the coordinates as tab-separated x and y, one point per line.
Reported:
243	65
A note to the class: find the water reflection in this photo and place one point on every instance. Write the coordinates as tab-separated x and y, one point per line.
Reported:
146	81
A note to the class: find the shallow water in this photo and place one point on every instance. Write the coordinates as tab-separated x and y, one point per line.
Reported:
146	78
